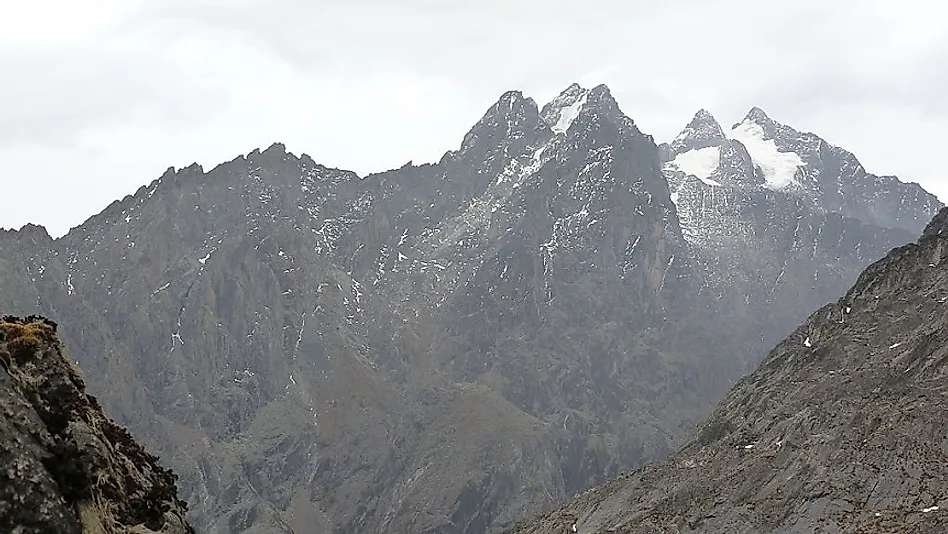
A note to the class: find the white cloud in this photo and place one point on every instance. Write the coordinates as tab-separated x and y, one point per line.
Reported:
102	96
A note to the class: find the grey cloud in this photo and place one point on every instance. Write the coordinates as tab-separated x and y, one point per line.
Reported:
177	80
57	94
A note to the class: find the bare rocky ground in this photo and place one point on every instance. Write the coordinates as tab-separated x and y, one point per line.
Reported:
841	429
64	466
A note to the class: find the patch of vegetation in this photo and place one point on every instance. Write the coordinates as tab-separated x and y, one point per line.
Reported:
24	337
117	485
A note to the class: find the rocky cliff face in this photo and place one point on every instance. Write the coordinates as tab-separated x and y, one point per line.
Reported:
443	348
779	219
66	467
839	430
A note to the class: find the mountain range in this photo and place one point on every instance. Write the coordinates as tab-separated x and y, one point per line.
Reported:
452	347
840	429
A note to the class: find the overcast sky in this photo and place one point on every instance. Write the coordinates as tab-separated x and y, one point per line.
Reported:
100	96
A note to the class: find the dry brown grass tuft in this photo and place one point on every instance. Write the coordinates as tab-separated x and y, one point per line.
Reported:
24	339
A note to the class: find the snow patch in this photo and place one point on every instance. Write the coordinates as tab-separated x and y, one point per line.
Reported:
807	343
778	167
567	114
700	163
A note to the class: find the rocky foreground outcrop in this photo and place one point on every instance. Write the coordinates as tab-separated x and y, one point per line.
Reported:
64	466
842	429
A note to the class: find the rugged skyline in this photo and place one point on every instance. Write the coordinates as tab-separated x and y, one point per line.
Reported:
450	347
107	95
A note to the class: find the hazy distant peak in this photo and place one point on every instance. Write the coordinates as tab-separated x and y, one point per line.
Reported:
757	115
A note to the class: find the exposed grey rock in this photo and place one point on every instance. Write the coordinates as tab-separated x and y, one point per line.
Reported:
441	348
780	248
65	467
841	429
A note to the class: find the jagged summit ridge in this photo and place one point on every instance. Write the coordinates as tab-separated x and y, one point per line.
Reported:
778	165
696	151
514	118
268	286
758	115
763	154
703	131
560	112
426	349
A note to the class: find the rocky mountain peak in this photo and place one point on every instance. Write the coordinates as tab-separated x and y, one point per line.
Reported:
513	102
560	112
277	148
702	132
511	119
777	151
592	112
757	115
601	98
347	353
829	177
704	116
31	231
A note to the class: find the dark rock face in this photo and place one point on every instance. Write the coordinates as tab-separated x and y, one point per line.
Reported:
839	430
443	348
778	219
65	466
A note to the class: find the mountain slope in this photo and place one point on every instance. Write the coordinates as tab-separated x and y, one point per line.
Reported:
440	348
769	210
839	430
65	466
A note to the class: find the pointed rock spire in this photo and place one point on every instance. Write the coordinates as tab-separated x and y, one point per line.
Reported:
703	131
757	115
575	101
513	121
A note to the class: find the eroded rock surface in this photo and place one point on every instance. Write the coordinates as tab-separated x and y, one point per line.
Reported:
840	430
448	348
64	466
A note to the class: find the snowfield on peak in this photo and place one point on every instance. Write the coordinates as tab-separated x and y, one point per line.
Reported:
569	114
779	168
700	163
564	109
